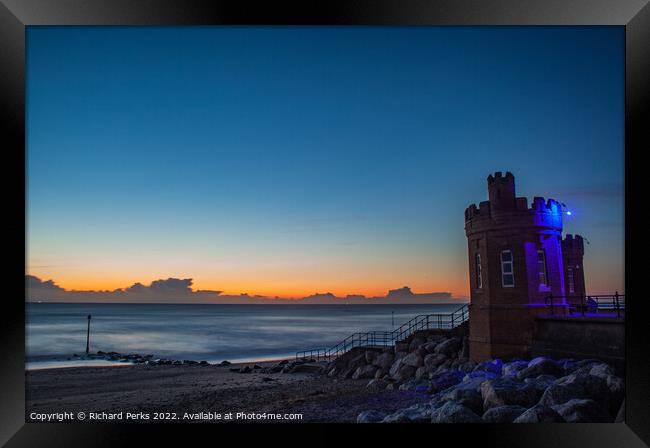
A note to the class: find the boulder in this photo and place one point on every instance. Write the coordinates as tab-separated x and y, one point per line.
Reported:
371	356
602	370
421	372
512	368
577	386
404	373
384	361
434	360
376	385
367	371
370	417
413	360
582	411
419	413
539	414
464	349
357	361
448	347
494	366
305	368
381	372
416	343
540	366
503	414
444	367
541	383
503	391
483	374
395	367
401	347
414	385
429	346
452	412
445	380
224	363
465	394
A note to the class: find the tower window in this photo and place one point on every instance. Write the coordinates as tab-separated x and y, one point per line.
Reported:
572	284
507	271
541	267
479	274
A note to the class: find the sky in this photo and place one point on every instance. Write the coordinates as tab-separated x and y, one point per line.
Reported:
298	160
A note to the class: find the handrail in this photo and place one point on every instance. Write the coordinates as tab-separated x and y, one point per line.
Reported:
386	338
587	304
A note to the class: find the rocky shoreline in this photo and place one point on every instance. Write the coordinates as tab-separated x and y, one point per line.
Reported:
496	391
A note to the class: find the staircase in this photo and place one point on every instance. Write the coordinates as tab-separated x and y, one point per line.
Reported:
387	338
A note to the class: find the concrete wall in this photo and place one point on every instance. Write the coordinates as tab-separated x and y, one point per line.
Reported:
581	338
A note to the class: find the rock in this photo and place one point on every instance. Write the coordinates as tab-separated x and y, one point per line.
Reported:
452	412
504	391
245	369
429	347
333	372
434	360
376	385
483	374
493	366
400	355
448	347
576	386
540	366
384	361
503	414
418	413
414	385
582	411
306	368
370	417
416	343
204	362
541	383
381	372
257	367
404	373
445	380
512	368
421	372
620	415
357	362
224	363
401	347
581	366
367	371
539	414
467	366
464	349
413	360
602	370
444	367
394	369
281	363
371	356
467	395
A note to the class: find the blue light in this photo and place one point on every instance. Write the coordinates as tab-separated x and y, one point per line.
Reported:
568	213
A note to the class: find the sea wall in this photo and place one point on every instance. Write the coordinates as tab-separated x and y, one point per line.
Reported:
580	338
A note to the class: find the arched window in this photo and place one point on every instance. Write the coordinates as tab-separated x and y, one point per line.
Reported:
479	272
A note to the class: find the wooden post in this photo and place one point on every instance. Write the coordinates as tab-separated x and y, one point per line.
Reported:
88	336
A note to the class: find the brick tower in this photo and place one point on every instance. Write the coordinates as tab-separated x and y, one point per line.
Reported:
573	251
515	262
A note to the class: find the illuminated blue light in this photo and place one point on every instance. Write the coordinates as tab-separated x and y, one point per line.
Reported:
568	213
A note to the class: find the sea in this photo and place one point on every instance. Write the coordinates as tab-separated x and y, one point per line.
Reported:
55	332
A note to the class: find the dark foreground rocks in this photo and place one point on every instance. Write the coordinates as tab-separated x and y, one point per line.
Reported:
496	391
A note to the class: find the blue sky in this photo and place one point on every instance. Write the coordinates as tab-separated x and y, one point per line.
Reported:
301	159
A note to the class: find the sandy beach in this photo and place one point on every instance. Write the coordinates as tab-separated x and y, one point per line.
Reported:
195	389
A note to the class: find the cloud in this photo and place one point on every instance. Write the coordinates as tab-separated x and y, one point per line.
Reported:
177	290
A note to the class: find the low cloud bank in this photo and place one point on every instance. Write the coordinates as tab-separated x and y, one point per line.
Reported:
176	290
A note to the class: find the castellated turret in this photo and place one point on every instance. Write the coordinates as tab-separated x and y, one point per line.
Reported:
515	264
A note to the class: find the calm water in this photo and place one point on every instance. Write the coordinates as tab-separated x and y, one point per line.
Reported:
202	332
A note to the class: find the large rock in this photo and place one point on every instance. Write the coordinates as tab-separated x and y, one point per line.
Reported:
306	368
503	414
418	413
540	366
376	385
433	360
541	383
448	347
401	347
582	411
371	355
357	361
577	386
483	374
452	412
495	366
445	380
367	371
404	373
384	361
370	417
413	360
415	385
512	368
466	394
416	343
539	414
421	372
430	346
503	391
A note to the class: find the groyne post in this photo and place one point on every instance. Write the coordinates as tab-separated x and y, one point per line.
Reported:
88	336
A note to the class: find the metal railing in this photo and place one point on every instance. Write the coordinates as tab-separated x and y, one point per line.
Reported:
388	338
583	305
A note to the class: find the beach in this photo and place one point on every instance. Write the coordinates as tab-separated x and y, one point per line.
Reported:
202	389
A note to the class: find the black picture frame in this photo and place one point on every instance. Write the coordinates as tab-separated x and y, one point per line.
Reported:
15	15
